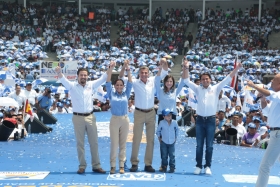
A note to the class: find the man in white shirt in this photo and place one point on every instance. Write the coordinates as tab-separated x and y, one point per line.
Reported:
30	94
207	97
235	124
83	118
223	103
60	89
18	96
144	89
272	152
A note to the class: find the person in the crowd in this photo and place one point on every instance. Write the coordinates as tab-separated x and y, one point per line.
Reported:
272	151
131	107
263	138
167	133
224	102
45	101
168	94
83	118
207	95
241	131
34	112
221	118
144	89
18	95
257	121
67	107
30	94
248	120
222	134
119	122
250	137
59	109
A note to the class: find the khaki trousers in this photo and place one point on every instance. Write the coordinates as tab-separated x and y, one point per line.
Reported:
149	119
83	125
119	126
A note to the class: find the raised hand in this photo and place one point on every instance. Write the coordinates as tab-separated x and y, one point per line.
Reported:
250	83
126	64
112	64
239	65
186	63
58	69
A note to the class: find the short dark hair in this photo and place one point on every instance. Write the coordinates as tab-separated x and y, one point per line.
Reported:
82	69
205	73
221	111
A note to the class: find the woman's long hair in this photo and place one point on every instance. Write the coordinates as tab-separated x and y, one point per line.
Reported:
165	89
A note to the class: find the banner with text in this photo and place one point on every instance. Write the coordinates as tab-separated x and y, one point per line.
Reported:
69	69
23	175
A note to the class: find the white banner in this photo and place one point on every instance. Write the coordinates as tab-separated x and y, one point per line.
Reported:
47	70
192	102
99	94
23	175
248	101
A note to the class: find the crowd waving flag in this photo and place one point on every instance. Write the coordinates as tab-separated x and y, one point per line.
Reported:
234	81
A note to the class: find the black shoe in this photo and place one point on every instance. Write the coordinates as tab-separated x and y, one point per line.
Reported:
133	168
149	169
172	170
81	171
162	169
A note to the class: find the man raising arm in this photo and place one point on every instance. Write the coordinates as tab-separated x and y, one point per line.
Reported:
207	97
83	118
273	150
144	89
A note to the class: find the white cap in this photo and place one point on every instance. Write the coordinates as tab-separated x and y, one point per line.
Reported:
263	130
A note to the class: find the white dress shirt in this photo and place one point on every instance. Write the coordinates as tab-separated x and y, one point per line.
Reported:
240	130
273	109
145	93
207	98
81	96
31	95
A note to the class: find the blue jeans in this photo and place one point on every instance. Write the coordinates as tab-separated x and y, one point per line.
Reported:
205	130
167	150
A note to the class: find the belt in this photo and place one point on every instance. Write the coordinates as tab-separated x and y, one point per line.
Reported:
144	110
82	114
274	128
205	117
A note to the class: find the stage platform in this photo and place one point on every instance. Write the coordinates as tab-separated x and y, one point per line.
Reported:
51	160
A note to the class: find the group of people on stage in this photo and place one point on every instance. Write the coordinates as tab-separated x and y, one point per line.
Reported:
144	88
